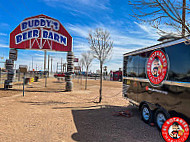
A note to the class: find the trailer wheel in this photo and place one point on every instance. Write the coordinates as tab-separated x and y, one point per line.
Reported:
160	117
146	113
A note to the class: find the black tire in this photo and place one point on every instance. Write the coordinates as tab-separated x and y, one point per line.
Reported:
160	117
146	113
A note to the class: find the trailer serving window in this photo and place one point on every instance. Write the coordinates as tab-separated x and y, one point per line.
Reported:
179	56
134	66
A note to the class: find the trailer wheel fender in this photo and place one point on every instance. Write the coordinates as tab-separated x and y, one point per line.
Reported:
146	113
142	103
160	116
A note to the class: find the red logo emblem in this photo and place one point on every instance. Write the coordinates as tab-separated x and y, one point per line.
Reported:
157	67
175	130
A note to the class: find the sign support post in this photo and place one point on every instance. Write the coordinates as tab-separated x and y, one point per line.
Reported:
68	76
23	83
45	53
23	69
45	79
0	74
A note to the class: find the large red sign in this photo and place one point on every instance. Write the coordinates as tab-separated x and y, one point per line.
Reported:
157	67
41	32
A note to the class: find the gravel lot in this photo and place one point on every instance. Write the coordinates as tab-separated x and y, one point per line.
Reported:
53	115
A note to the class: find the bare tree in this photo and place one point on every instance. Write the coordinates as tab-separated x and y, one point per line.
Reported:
160	13
87	58
101	46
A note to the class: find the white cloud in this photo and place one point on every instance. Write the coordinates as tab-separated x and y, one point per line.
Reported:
78	30
4	45
123	41
78	4
144	27
3	34
119	38
152	33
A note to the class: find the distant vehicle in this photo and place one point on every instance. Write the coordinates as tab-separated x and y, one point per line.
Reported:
3	70
157	80
117	75
60	74
94	75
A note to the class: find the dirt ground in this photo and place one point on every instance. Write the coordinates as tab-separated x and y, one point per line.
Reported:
52	115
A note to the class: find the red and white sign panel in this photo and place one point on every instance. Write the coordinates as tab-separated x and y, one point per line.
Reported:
157	67
41	32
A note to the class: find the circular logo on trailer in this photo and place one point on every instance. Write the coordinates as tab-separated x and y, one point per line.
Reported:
175	130
157	67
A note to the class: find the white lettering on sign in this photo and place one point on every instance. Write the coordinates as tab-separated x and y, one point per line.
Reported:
50	35
39	22
54	37
26	35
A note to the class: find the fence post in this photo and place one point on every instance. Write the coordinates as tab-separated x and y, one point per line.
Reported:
0	75
23	83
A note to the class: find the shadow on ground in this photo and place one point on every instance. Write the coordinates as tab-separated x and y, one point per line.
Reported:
53	103
100	125
52	90
58	81
43	103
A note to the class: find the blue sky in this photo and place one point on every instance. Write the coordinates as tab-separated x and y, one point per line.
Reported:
78	17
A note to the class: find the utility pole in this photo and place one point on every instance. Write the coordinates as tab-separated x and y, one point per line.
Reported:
57	67
183	17
45	60
48	64
48	61
51	63
32	64
64	67
61	65
36	67
45	53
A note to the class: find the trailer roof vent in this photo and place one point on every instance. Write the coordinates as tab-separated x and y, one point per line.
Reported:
168	37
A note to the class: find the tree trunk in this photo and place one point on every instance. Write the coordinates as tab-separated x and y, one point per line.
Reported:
81	78
81	75
78	77
86	78
100	98
183	17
